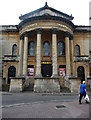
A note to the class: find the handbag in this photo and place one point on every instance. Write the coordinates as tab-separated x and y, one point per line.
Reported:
87	98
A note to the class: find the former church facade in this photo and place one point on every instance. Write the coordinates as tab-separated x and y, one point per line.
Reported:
47	48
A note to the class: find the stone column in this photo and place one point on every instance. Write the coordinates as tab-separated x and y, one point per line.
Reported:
38	56
67	49
54	52
72	54
25	55
20	64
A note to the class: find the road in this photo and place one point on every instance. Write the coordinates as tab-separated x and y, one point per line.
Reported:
18	98
35	105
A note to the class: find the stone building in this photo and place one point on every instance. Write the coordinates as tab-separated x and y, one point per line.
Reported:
47	49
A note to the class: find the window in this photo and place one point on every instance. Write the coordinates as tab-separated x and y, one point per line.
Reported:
77	50
61	48
14	50
31	48
46	48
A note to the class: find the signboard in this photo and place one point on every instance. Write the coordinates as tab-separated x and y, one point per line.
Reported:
62	72
31	72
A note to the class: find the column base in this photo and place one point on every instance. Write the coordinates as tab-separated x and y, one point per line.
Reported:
67	81
54	76
38	76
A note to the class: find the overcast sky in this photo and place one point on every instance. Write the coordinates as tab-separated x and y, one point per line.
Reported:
10	10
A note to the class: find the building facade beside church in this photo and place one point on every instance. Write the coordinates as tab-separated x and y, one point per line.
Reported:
47	49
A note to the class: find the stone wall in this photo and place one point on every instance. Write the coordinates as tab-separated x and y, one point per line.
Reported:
89	81
75	84
16	84
0	64
47	85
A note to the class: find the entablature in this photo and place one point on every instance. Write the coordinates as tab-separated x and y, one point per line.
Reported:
45	24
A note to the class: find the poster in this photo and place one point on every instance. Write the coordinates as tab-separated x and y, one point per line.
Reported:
62	72
30	72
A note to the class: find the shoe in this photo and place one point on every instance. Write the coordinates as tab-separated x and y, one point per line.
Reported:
87	102
80	103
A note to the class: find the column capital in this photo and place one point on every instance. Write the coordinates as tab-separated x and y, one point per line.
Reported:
21	37
26	34
54	30
71	37
66	34
39	30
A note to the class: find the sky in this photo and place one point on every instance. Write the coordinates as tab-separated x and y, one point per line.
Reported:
10	10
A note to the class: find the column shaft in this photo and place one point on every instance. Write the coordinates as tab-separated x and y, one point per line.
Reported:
54	54
67	56
25	55
72	54
20	65
38	57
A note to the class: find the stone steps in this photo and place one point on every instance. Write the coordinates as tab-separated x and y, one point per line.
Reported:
64	89
30	87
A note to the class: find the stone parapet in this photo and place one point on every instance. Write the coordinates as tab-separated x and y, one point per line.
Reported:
47	85
10	58
16	84
75	83
81	59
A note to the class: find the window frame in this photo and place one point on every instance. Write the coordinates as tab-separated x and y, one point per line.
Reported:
29	49
14	51
46	48
62	46
77	50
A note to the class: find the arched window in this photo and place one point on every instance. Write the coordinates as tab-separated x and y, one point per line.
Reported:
46	48
77	50
14	50
61	48
31	48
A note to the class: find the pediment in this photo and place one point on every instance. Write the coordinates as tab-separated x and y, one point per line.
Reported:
45	11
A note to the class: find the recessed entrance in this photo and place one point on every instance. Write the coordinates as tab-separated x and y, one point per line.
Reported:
81	73
46	70
11	73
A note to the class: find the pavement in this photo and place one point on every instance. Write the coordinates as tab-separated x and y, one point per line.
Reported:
47	109
52	109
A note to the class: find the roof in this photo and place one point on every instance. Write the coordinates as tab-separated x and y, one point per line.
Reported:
40	10
81	28
9	28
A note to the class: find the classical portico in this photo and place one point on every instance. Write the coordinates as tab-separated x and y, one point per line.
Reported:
40	27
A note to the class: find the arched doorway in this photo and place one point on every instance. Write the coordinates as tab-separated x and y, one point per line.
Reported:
11	73
81	73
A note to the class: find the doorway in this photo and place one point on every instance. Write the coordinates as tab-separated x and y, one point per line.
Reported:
46	70
81	73
11	73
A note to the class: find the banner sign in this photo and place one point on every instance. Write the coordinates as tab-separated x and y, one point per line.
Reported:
31	72
62	72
